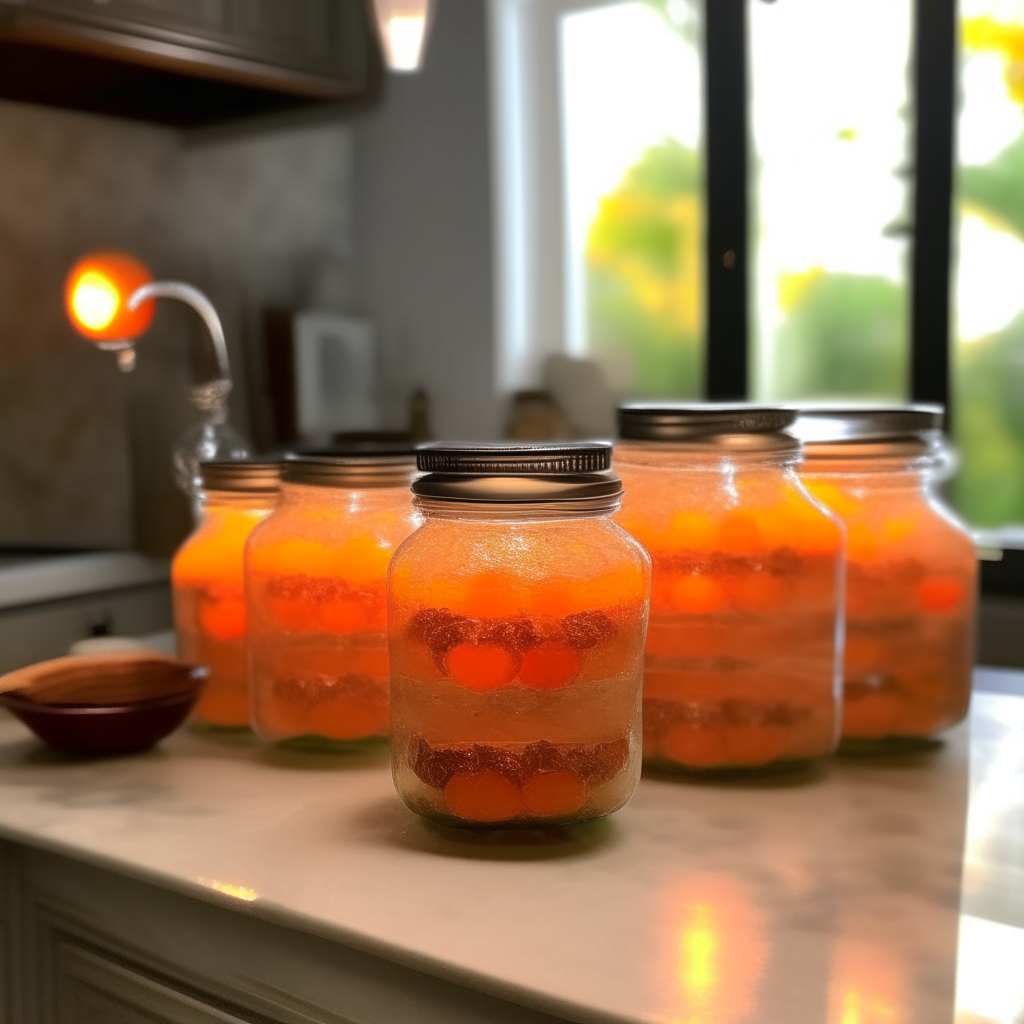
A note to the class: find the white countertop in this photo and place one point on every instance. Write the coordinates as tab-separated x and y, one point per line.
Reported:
834	899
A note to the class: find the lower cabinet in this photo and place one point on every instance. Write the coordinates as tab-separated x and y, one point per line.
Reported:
85	945
93	988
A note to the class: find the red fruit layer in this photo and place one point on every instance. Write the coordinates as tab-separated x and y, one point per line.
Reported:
435	766
661	715
442	629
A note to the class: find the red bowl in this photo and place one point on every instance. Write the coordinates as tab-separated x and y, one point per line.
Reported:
99	730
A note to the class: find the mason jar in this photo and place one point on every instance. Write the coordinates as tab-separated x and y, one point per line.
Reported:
207	583
517	614
744	648
911	574
316	578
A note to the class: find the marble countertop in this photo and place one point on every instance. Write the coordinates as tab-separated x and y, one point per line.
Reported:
889	891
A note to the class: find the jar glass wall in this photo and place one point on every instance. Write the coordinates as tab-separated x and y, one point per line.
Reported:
517	618
911	574
745	642
207	581
316	575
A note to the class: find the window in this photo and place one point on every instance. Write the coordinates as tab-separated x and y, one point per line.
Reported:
989	282
633	192
831	175
721	199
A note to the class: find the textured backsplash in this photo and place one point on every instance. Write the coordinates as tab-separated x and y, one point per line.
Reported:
257	221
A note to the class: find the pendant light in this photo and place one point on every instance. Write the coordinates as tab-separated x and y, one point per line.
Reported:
403	26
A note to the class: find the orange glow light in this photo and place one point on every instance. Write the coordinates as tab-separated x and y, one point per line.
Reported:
96	295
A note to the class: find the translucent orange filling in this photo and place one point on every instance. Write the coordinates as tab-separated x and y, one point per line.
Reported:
910	597
210	616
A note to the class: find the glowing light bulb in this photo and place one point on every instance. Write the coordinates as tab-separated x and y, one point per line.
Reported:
94	301
404	26
96	297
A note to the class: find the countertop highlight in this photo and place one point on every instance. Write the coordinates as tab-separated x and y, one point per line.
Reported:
835	897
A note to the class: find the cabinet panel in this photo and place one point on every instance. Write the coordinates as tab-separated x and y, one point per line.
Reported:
191	16
92	989
89	946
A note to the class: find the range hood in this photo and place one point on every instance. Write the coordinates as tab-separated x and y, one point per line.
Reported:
186	63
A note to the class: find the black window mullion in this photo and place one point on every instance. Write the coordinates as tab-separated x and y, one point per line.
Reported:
726	167
934	92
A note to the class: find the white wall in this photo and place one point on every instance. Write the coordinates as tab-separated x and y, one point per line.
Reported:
422	211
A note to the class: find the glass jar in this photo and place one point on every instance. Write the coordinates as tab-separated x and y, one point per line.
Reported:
316	587
744	648
207	581
911	571
516	622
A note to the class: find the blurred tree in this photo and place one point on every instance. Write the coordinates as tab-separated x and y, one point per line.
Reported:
645	272
842	336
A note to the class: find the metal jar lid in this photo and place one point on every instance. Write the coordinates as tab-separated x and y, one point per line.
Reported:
254	476
866	424
709	424
512	473
352	467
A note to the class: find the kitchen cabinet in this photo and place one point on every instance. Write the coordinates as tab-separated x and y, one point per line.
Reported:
219	880
185	62
86	945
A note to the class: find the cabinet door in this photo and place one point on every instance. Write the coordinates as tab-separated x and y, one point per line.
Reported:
313	36
193	17
92	989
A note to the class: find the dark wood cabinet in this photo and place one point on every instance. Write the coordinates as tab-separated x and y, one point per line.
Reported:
185	62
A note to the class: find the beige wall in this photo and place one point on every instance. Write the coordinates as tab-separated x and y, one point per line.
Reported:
254	221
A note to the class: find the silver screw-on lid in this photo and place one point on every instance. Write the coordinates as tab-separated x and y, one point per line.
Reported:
857	424
685	421
358	466
243	475
500	473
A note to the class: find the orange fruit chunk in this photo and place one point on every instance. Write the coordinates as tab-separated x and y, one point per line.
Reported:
549	665
739	534
554	794
224	619
480	666
697	594
342	617
482	796
940	593
696	746
348	718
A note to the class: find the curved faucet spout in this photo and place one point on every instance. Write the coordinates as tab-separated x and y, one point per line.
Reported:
200	303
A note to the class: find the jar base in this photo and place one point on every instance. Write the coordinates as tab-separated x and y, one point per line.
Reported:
313	744
524	827
790	769
854	746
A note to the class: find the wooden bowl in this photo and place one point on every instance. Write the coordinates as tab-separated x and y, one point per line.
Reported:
100	705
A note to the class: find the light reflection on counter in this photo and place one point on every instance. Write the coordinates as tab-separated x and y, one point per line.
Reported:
240	892
990	973
719	939
990	959
867	984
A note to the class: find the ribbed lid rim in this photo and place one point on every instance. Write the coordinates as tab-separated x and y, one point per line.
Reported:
499	459
355	469
252	475
683	421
